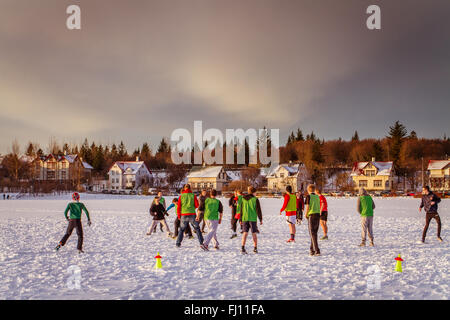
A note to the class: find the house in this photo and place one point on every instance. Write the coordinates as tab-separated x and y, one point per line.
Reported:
439	174
373	175
61	168
207	177
99	185
293	174
128	175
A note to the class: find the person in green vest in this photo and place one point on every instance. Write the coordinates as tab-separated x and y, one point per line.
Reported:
187	203
176	223
365	206
213	212
312	214
250	210
290	206
76	209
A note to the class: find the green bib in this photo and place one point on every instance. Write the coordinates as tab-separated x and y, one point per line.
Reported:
314	204
292	204
211	209
239	204
249	210
366	206
187	203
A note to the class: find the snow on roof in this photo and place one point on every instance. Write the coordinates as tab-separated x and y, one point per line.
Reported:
235	175
291	168
71	157
383	168
204	172
86	165
437	164
134	166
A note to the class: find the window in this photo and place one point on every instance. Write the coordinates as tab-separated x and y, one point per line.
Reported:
362	183
281	175
370	173
377	183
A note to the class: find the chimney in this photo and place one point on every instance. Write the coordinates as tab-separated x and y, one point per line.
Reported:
137	158
373	159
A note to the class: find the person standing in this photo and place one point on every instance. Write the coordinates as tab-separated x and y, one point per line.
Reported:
366	206
290	206
187	203
176	223
232	203
158	212
201	213
250	210
312	214
76	209
213	217
163	202
430	204
323	214
300	207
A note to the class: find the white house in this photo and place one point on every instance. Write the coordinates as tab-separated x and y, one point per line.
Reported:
128	174
373	175
293	174
207	177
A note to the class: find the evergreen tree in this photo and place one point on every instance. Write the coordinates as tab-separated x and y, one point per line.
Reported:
397	133
163	146
291	138
98	163
30	151
355	136
146	153
413	135
299	136
122	152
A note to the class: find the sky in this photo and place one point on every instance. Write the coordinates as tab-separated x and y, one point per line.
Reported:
139	69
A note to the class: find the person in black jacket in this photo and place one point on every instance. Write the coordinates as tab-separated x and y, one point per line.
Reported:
430	204
158	212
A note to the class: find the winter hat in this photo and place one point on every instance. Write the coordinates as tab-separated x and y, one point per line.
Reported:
363	192
76	196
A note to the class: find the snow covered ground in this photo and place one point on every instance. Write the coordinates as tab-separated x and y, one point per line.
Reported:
119	258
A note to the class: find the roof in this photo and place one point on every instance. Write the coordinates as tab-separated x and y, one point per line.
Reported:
86	165
134	166
437	164
383	168
204	172
234	175
291	168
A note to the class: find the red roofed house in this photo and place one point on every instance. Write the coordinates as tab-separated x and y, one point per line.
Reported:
439	174
373	175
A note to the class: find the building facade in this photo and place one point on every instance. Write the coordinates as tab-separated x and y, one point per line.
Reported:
293	174
61	168
207	177
373	175
439	175
128	175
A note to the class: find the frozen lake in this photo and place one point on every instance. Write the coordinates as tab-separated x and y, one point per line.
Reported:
119	257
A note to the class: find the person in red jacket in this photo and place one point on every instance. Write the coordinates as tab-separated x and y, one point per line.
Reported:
300	207
290	206
323	214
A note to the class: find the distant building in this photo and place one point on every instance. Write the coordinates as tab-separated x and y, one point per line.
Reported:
61	168
439	174
293	174
207	177
128	175
373	175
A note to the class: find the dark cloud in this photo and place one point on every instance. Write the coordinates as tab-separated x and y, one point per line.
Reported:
139	69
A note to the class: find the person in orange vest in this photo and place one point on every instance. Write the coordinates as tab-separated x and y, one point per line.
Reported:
323	214
290	206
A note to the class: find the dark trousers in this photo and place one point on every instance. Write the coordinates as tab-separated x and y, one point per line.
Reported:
313	226
74	223
202	221
428	218
184	222
176	225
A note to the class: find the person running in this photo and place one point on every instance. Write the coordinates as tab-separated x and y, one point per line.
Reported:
158	212
213	216
323	214
163	202
312	214
201	213
176	223
300	207
76	209
187	203
238	200
365	206
250	210
430	204
233	202
290	206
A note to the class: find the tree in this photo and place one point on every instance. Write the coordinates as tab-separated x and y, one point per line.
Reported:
146	153
291	138
397	133
355	136
299	136
163	146
122	153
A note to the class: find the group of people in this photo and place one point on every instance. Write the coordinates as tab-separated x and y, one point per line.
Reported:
245	212
5	197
